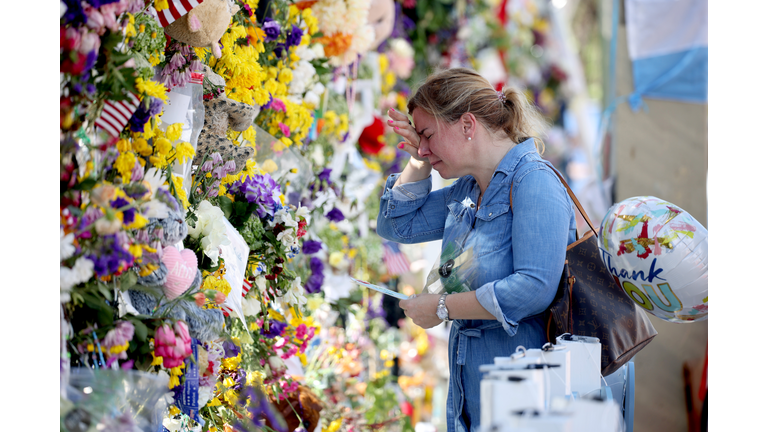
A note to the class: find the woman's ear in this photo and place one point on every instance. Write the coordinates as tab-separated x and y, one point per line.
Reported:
468	124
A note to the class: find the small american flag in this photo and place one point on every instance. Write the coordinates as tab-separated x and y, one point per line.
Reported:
115	115
396	261
176	9
247	285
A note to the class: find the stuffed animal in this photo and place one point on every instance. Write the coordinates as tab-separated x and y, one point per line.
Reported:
221	113
204	25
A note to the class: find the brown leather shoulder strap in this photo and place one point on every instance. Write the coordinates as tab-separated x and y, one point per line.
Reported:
570	193
575	200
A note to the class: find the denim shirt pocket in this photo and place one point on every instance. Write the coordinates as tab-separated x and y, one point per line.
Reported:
493	228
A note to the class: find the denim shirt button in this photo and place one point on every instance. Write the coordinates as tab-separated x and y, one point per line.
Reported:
490	214
392	206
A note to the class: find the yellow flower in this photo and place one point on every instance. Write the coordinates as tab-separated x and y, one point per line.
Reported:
173	132
269	166
146	271
163	146
135	250
123	145
151	88
158	161
286	142
139	222
173	410
334	426
185	151
173	381
141	147
124	164
161	4
178	184
130	29
336	259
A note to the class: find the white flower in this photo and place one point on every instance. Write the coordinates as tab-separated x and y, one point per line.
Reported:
326	199
155	178
69	277
210	225
105	226
468	203
282	216
401	48
294	295
251	306
312	99
303	212
66	248
155	209
287	238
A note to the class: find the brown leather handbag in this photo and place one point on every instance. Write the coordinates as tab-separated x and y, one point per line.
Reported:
589	302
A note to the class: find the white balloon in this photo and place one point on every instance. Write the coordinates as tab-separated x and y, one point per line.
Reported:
657	252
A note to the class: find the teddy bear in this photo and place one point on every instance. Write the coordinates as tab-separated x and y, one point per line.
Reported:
204	25
221	113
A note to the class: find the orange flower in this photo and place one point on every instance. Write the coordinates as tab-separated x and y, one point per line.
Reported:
305	4
255	35
336	44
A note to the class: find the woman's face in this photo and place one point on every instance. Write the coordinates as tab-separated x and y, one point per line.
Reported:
446	148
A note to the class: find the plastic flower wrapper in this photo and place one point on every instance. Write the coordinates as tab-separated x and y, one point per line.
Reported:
454	272
106	399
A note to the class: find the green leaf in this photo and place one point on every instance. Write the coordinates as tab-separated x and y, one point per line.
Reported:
85	185
105	292
241	208
139	329
128	280
225	204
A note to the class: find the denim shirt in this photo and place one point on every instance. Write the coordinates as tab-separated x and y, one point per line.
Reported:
521	253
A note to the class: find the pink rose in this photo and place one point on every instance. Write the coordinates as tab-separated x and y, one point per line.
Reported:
200	299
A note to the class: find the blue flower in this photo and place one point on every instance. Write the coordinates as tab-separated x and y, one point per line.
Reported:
335	215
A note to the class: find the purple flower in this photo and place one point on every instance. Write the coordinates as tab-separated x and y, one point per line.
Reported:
142	114
314	283
294	36
230	166
271	29
275	329
100	3
316	265
207	166
311	246
268	104
129	214
258	189
335	215
216	158
177	61
325	175
230	349
279	48
219	173
110	256
74	14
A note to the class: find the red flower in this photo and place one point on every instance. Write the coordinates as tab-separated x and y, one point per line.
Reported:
372	139
301	231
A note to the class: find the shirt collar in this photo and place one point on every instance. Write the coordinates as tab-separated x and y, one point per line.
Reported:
510	161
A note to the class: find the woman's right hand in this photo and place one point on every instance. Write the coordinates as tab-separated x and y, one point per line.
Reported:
405	129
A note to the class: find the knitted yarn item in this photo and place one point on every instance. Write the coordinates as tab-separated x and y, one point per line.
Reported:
156	278
204	324
143	301
174	227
